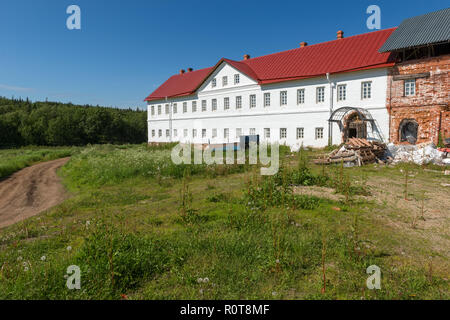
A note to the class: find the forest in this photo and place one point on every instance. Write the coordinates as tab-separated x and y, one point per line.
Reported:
24	123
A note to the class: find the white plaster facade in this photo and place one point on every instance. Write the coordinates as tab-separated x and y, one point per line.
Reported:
310	115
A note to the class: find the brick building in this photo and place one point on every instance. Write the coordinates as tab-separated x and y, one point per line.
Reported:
418	84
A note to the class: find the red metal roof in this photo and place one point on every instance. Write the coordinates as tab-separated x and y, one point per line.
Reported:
343	55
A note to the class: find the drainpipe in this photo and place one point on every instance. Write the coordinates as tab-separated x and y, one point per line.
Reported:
330	124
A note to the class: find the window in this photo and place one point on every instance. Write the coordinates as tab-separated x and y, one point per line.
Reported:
185	132
410	87
252	131
167	109
253	101
320	94
283	98
175	108
203	105
203	133
267	133
238	132
319	133
214	133
194	133
184	107
214	104
159	109
341	92
283	133
236	79
160	133
175	132
226	133
153	110
153	133
224	81
167	133
267	99
214	83
238	102
300	96
194	106
366	90
226	103
300	133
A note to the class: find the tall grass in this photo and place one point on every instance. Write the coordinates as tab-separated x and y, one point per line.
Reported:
13	160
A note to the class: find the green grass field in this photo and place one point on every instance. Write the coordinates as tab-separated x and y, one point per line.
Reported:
140	227
12	160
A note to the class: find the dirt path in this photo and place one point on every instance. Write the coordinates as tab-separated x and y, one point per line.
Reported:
30	191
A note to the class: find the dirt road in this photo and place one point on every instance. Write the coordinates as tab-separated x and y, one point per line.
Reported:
30	191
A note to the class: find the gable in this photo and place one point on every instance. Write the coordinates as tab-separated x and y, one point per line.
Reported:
225	69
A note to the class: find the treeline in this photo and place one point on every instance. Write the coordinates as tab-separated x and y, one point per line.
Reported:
23	122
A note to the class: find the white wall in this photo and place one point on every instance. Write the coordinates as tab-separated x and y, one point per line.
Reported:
310	115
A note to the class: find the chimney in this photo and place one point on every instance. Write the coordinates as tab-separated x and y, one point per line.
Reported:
246	56
181	71
340	34
190	69
303	44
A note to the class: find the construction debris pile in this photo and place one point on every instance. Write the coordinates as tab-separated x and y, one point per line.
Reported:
355	152
419	154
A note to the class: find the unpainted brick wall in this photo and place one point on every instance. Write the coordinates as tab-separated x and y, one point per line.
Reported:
429	107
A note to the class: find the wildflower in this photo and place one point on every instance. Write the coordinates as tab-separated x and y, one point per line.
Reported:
19	258
277	261
43	258
69	248
274	293
25	269
199	280
206	280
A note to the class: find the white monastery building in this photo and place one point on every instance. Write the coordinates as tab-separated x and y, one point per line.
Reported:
287	97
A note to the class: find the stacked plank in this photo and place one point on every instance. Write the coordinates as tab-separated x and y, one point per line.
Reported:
355	151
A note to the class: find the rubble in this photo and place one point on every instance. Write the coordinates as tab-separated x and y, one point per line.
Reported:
355	151
424	153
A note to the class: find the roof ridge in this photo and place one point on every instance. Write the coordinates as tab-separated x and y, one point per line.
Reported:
317	44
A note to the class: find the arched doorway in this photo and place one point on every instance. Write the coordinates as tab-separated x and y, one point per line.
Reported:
408	130
353	123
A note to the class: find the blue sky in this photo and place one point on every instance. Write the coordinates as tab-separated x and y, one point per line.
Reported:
126	49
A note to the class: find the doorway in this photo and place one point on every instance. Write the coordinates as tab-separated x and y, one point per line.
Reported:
355	127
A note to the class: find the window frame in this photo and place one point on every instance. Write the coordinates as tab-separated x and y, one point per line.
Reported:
283	133
238	102
300	133
320	95
252	101
317	135
369	90
341	92
224	81
301	96
237	78
226	103
283	98
412	85
266	99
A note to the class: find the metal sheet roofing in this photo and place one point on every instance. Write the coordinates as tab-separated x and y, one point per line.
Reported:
354	53
422	30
